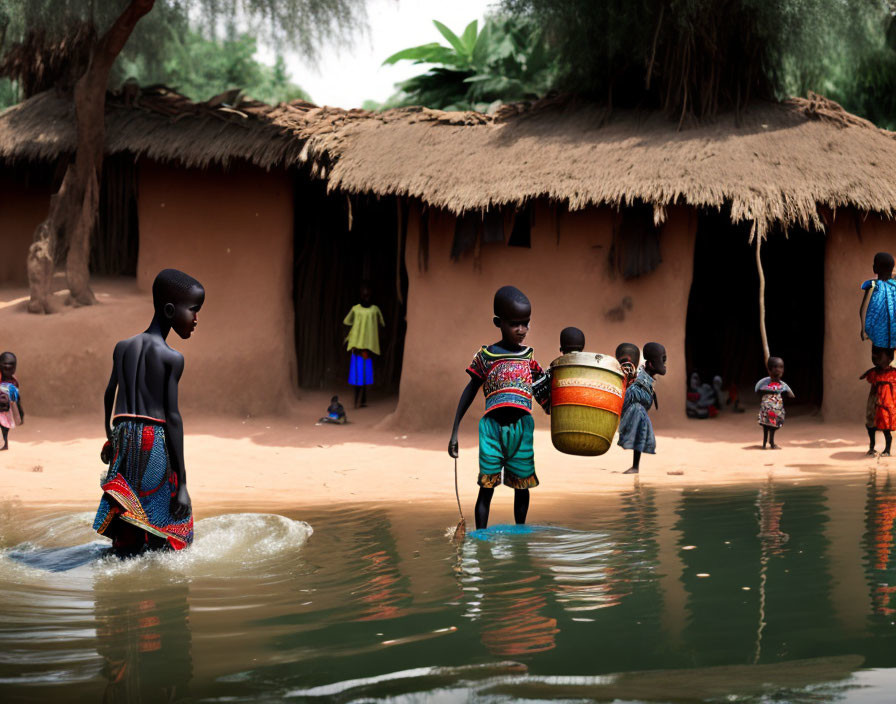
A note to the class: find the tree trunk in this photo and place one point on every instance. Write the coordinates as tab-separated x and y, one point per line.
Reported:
73	209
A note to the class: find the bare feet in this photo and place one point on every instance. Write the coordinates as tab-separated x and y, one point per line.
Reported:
5	447
775	447
631	470
871	452
885	453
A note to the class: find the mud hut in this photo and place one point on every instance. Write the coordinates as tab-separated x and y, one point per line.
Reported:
618	223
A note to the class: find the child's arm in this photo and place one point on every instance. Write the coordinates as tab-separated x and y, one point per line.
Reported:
866	374
789	391
180	504
466	398
109	396
862	313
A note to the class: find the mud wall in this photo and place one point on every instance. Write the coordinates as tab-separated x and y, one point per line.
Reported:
22	209
233	231
851	246
566	277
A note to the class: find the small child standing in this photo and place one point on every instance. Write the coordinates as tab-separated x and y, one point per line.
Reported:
879	319
880	412
11	413
504	371
363	340
635	428
771	407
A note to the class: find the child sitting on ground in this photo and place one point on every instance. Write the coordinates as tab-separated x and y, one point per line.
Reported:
771	407
335	413
11	413
880	411
571	340
629	357
504	371
635	428
879	320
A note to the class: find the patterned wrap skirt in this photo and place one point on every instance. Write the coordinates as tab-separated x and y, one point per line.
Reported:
140	485
771	411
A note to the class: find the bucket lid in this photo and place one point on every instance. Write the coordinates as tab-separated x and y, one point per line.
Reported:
588	359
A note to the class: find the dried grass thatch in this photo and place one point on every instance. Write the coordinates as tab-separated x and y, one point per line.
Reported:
777	164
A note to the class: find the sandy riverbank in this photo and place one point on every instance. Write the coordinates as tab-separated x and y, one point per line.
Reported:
288	461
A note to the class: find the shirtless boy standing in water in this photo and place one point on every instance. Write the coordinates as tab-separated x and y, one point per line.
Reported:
145	503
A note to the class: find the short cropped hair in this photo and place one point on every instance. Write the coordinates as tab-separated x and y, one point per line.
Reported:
170	285
775	360
874	350
884	261
629	349
653	348
508	296
572	338
7	355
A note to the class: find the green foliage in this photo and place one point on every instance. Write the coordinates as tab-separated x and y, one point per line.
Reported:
695	57
201	68
179	41
504	62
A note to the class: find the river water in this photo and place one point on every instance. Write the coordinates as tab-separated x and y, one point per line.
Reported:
775	592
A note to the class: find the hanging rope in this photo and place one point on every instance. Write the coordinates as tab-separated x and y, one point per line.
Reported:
762	332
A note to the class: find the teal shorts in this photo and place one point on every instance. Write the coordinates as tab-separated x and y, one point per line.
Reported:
507	447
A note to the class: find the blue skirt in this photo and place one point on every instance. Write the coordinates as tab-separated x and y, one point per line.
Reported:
361	371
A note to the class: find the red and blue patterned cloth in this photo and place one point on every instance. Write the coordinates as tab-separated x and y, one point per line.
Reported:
506	376
140	485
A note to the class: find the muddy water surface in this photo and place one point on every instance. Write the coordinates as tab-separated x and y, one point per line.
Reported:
779	592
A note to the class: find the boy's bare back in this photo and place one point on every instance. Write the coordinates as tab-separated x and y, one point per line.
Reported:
145	369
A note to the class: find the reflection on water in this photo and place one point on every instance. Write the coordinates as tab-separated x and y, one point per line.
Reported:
780	592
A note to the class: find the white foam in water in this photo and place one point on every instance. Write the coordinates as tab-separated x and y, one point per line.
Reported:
224	546
227	545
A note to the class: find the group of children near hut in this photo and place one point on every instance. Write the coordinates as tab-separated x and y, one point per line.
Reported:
145	503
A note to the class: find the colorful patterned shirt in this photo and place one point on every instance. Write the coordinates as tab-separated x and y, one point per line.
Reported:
880	315
506	376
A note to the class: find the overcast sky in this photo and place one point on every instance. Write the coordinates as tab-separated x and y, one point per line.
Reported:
347	77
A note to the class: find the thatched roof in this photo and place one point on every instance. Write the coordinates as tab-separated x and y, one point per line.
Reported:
775	163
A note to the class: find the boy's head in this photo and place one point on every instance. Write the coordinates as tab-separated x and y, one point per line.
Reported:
655	358
366	293
335	399
628	353
775	367
883	265
512	313
177	298
8	364
880	357
695	381
571	340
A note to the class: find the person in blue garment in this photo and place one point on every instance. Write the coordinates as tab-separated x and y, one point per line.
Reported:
635	428
878	309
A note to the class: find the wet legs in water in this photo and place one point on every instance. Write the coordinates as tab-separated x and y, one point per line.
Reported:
888	438
636	464
768	437
360	397
5	430
484	503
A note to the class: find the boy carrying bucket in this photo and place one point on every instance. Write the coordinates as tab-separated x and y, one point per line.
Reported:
505	371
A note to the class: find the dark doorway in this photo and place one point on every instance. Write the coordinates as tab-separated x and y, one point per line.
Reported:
339	242
722	333
116	236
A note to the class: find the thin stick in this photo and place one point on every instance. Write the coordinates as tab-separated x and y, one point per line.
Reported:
457	492
762	331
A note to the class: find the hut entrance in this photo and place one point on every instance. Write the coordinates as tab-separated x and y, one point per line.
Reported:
340	242
722	333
